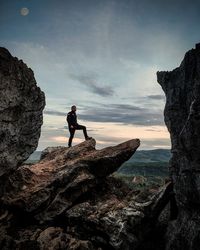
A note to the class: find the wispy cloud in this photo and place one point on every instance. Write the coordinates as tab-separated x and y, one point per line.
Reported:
154	143
90	80
54	112
121	113
118	113
156	97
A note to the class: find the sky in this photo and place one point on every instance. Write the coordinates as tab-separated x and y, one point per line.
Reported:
102	56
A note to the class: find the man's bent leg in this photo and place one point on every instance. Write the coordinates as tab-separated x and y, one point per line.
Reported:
84	130
72	131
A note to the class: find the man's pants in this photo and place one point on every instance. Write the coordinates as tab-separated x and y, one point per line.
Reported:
72	131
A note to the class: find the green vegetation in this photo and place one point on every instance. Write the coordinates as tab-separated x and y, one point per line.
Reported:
156	155
145	168
138	182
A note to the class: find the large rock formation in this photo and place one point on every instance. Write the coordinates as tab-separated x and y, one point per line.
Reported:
21	106
62	176
68	200
182	117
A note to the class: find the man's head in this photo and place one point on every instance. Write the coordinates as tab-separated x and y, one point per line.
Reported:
73	108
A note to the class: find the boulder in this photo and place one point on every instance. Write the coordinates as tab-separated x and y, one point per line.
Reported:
21	106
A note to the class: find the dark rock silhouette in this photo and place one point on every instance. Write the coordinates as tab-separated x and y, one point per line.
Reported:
182	117
21	106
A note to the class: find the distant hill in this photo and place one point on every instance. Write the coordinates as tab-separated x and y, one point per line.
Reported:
145	168
147	163
155	155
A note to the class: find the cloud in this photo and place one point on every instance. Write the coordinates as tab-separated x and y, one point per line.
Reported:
153	130
123	113
156	101
118	113
156	97
154	143
91	82
54	112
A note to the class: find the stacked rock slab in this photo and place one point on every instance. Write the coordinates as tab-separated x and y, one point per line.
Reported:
182	117
21	106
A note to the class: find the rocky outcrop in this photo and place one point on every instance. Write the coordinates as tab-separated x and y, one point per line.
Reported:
182	117
48	188
69	200
21	106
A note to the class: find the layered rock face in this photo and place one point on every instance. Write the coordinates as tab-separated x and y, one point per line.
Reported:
21	106
68	200
182	117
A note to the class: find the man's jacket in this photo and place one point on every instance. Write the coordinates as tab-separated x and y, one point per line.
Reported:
71	118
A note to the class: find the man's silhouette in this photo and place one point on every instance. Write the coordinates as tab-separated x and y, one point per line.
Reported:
73	125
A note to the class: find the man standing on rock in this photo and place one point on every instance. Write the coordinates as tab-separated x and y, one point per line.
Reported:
73	125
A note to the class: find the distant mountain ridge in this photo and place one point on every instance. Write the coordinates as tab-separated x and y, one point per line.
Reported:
147	163
155	155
